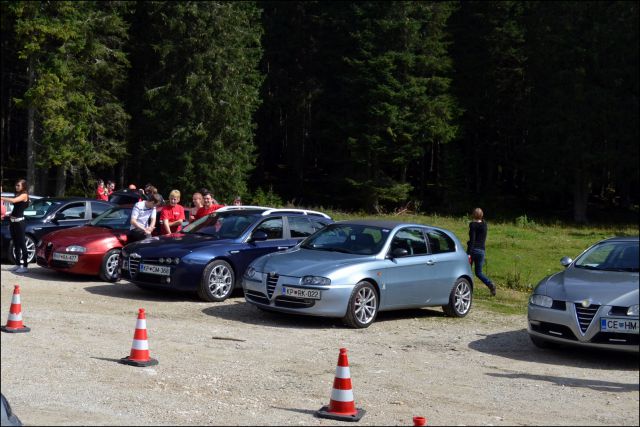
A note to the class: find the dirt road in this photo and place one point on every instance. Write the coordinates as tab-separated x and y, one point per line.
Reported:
230	364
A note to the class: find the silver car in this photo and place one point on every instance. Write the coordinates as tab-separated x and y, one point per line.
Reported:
354	269
593	302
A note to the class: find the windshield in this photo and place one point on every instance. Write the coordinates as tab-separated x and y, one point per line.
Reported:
611	256
348	238
117	217
40	208
224	225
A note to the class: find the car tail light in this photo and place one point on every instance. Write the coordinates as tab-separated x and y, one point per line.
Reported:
470	261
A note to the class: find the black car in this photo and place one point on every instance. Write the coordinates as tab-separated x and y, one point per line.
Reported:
126	197
50	214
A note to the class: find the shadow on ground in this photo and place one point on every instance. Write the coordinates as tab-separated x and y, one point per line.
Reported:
516	345
130	291
242	311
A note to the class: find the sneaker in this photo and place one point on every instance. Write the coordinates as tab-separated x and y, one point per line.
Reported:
493	290
21	270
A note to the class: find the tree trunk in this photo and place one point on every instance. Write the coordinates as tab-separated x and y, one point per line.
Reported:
31	155
580	198
61	181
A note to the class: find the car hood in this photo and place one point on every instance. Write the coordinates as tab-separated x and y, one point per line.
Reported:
82	235
602	287
177	244
302	262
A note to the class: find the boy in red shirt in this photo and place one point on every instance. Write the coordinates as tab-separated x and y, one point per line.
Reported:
208	206
172	214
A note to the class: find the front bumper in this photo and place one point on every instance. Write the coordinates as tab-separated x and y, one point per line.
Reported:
561	325
268	292
88	263
181	277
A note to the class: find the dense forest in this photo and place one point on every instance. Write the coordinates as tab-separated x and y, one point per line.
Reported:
368	105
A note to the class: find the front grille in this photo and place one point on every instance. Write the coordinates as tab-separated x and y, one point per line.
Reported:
618	311
272	281
61	264
554	330
291	302
257	297
133	264
585	315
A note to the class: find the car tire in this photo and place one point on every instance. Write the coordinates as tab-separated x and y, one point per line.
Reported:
542	343
109	266
218	282
31	250
363	306
460	299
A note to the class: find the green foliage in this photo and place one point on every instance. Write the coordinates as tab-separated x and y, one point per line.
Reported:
524	221
196	89
262	198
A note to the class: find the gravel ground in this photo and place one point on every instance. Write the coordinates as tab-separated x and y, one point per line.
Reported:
230	364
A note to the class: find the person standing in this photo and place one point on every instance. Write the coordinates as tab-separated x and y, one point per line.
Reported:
17	226
197	204
172	215
143	219
208	206
102	193
476	247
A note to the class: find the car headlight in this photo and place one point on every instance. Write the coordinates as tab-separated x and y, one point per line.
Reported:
633	310
250	272
541	300
124	253
76	248
316	281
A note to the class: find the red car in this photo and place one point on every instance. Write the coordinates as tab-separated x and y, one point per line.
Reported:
91	249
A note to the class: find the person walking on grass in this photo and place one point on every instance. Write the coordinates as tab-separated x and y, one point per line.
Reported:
476	247
17	226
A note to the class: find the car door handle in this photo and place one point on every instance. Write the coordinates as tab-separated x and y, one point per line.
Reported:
282	247
431	262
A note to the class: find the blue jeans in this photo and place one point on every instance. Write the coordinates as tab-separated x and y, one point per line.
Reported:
477	257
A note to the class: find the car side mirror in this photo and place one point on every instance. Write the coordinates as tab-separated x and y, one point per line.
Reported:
58	216
565	261
259	236
399	253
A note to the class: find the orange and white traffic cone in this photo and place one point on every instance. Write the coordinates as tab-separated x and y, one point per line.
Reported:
140	348
341	406
14	324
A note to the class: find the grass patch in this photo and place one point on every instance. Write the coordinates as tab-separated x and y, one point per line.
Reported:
519	253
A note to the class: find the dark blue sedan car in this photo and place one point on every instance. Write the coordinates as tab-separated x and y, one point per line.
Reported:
211	254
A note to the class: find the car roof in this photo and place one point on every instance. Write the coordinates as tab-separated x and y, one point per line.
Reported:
9	194
621	239
72	199
380	223
264	211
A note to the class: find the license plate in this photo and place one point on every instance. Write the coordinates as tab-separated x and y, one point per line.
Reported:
160	270
624	326
65	257
302	293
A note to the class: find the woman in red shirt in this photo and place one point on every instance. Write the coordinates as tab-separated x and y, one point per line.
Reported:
101	192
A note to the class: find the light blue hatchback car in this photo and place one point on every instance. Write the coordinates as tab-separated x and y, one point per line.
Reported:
354	269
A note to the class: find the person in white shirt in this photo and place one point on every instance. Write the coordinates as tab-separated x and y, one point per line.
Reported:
143	219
